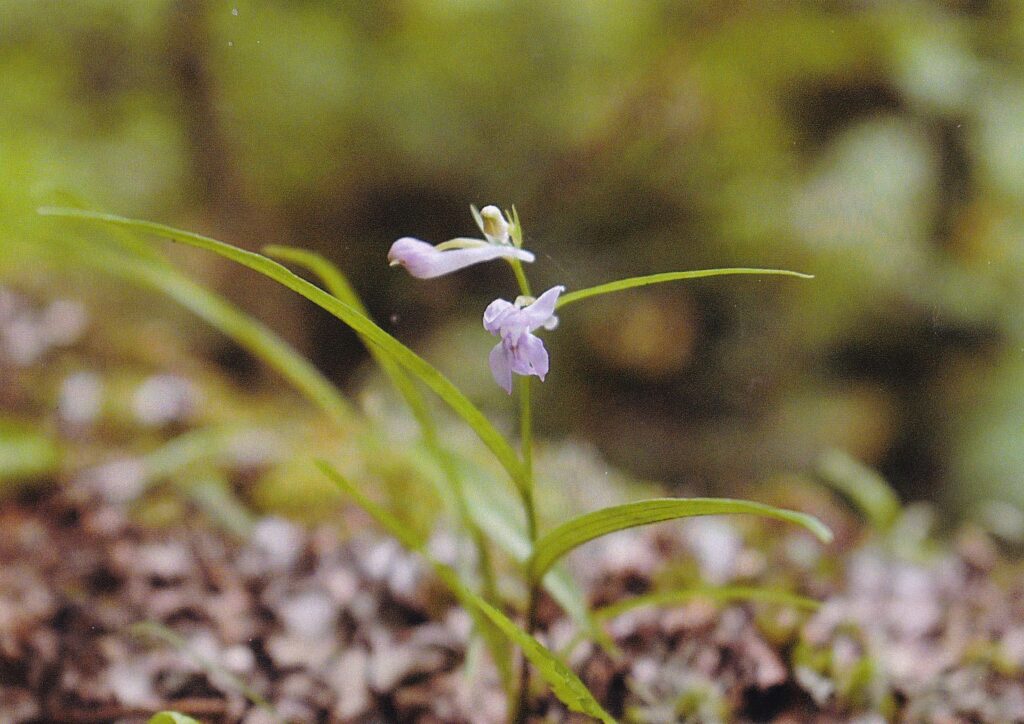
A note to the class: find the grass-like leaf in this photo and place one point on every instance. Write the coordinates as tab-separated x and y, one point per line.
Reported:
563	682
864	487
415	364
338	284
171	717
621	284
571	534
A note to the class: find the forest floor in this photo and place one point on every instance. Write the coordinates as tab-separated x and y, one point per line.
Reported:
107	617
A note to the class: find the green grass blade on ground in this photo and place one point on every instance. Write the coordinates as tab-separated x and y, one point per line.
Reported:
412	362
622	284
573	533
563	682
862	486
26	454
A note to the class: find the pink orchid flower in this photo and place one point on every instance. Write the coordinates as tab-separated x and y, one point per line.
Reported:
519	350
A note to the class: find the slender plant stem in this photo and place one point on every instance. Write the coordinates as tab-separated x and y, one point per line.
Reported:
519	711
524	285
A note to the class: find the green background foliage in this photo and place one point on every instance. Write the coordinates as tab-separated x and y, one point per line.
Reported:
878	147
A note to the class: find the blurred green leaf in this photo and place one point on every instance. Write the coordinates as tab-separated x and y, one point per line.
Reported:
172	717
222	315
573	533
861	485
26	453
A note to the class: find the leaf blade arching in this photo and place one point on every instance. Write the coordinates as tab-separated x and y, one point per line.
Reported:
573	533
642	281
862	485
563	682
415	364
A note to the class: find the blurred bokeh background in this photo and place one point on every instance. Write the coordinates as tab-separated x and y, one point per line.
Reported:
877	145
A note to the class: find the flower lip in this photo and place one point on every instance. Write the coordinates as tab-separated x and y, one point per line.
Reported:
424	261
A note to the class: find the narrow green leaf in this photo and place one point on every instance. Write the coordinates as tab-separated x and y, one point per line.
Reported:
723	594
571	534
172	717
643	281
563	682
419	367
864	487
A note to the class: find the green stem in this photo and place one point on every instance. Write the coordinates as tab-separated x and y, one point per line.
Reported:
524	284
526	440
519	712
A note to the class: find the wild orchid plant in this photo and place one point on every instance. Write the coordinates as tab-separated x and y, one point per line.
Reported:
519	351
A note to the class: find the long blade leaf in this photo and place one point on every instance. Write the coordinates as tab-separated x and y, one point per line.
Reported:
418	366
573	533
562	680
621	284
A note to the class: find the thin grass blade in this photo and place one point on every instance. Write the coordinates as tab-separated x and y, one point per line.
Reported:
622	284
252	335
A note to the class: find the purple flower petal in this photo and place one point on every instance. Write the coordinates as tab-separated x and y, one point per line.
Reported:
424	261
501	366
538	313
496	313
530	357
